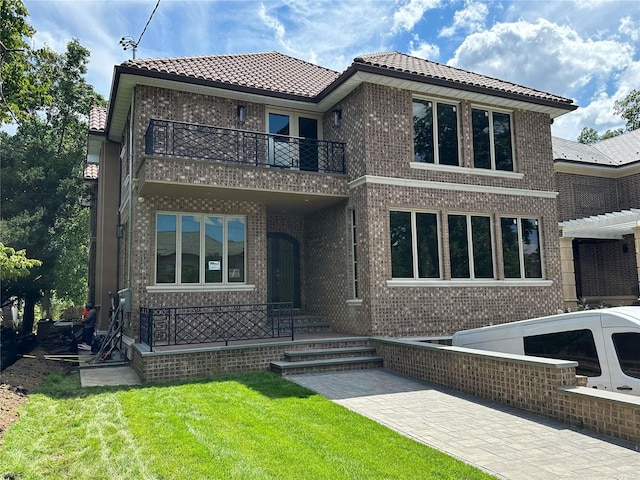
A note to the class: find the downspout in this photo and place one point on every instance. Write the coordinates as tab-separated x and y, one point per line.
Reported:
130	222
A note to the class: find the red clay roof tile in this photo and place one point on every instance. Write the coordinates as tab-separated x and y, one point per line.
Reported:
97	119
270	71
426	68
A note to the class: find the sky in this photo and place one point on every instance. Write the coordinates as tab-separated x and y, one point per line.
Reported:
586	50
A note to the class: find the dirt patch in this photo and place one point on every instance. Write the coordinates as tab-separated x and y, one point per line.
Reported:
20	379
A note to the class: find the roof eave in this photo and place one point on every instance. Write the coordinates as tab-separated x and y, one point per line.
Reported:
356	68
117	90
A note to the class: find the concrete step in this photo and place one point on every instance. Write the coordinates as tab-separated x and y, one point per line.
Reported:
326	365
306	323
326	353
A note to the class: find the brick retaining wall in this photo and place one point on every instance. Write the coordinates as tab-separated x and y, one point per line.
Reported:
543	386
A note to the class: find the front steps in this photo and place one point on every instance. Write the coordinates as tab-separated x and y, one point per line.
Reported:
333	358
305	323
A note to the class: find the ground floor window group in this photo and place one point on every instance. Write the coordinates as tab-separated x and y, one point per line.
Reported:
418	242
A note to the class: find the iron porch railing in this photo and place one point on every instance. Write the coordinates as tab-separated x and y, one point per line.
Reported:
164	326
203	142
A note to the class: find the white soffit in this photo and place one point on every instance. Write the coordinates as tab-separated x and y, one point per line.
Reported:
606	226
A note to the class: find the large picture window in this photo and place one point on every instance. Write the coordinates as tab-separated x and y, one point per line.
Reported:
492	145
521	247
414	245
435	132
470	246
200	249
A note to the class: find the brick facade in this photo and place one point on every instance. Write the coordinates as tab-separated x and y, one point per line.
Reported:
377	129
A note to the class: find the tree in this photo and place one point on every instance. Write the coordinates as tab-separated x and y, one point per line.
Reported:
588	136
629	109
15	264
611	133
41	184
23	85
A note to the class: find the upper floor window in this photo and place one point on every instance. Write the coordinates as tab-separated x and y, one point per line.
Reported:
414	245
521	247
200	249
470	246
435	132
492	145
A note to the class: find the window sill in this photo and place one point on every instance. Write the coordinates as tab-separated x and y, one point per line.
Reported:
469	283
472	171
355	302
241	287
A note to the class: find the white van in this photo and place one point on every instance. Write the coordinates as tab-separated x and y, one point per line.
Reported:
605	343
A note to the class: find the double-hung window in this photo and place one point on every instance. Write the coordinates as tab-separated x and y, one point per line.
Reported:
492	144
470	246
435	132
196	249
521	247
414	245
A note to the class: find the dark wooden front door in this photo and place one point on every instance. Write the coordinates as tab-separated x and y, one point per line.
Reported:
283	269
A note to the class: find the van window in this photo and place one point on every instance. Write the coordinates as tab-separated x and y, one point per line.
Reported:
626	345
575	345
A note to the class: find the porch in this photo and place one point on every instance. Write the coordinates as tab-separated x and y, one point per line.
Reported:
600	258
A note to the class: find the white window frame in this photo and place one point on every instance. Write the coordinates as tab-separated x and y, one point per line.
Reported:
225	251
519	219
414	243
472	273
294	116
492	146
436	145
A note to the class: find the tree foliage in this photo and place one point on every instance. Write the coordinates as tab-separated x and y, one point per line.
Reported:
629	109
41	182
24	87
588	136
15	264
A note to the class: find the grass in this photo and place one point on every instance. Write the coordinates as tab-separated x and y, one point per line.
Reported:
250	426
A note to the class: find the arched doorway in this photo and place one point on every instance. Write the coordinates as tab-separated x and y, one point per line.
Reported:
283	269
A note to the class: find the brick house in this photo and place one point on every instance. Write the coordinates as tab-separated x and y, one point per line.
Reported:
400	197
599	213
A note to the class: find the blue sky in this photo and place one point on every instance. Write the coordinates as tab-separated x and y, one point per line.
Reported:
587	50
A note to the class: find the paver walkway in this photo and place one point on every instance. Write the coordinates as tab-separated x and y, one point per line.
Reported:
506	442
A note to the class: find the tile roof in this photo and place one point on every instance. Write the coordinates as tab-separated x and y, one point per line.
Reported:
271	71
91	171
622	149
616	151
426	68
97	119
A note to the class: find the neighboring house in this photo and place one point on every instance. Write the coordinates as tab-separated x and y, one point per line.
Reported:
400	197
599	213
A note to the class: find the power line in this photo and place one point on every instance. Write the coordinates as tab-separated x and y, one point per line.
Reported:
128	41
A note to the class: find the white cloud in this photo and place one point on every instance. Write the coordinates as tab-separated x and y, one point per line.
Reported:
468	20
425	50
275	25
630	28
598	114
543	55
411	13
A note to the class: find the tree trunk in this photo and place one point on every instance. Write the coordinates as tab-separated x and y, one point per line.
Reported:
46	304
28	318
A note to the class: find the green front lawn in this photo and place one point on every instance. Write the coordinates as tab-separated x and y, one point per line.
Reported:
252	426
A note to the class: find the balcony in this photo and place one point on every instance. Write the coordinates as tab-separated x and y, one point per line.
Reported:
216	144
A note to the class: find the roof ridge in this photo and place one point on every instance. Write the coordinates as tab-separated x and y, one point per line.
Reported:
193	57
139	61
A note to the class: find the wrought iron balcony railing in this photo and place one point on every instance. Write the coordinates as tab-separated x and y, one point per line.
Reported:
179	139
165	326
